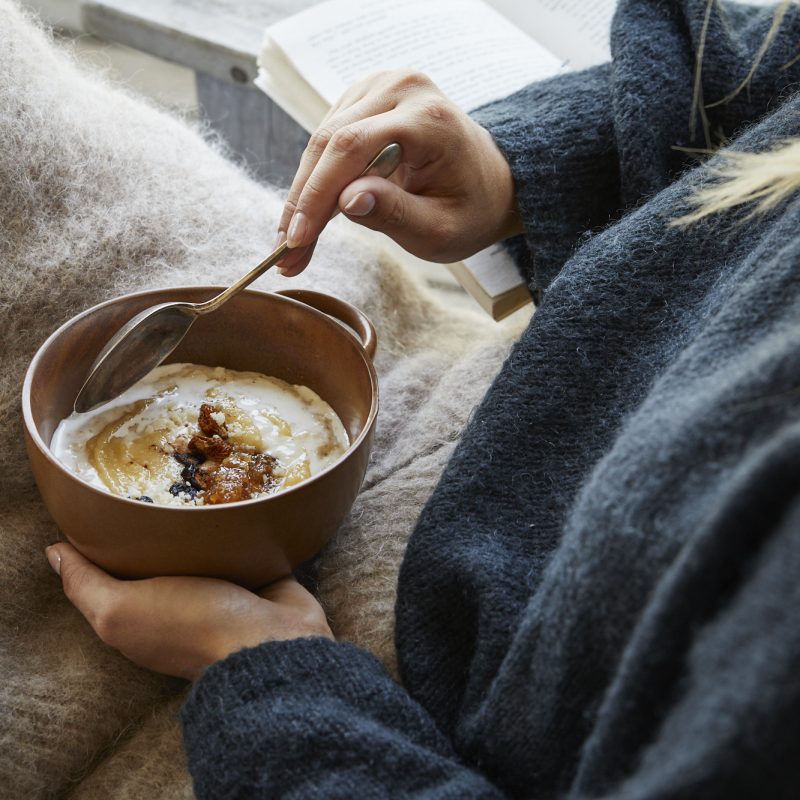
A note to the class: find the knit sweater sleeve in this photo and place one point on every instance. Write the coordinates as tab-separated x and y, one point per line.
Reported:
315	718
586	147
559	142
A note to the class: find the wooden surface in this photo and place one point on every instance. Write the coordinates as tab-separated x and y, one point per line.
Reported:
258	130
219	40
210	36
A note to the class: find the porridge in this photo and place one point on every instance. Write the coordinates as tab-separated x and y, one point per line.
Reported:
193	435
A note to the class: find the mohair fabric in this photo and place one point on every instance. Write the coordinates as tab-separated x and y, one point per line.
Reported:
599	599
102	194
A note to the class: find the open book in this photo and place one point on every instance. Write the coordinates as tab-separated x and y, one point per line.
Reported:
476	51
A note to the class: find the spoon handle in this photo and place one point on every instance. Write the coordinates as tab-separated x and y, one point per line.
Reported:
383	165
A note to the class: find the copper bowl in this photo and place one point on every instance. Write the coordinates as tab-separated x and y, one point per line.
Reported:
295	335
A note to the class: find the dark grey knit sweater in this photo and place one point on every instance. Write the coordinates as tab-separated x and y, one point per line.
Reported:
601	598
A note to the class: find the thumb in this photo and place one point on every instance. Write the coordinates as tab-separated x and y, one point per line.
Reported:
415	222
288	592
88	587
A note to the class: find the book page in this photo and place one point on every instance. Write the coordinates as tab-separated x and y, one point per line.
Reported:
470	51
278	78
577	31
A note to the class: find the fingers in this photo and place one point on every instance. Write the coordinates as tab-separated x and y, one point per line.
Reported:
347	154
89	588
307	615
366	119
361	109
417	223
180	625
350	97
287	591
296	260
335	158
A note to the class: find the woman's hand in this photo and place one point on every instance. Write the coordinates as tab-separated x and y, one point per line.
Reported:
181	625
452	195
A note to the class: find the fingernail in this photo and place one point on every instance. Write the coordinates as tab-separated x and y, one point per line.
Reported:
281	238
361	205
54	559
297	229
281	271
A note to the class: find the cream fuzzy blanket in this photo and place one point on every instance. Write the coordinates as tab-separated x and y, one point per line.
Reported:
101	194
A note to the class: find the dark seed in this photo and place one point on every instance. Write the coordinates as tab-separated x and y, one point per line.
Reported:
187	473
145	499
189	459
183	488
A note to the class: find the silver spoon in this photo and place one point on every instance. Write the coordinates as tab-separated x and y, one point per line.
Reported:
147	339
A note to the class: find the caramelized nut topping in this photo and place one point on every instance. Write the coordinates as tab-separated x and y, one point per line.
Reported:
238	477
210	426
212	447
215	466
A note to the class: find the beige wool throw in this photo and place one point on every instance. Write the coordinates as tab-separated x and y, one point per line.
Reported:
102	194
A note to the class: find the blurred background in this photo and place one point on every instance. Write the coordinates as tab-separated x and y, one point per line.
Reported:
169	84
194	57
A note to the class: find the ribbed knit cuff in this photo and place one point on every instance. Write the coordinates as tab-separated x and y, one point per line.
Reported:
315	718
320	665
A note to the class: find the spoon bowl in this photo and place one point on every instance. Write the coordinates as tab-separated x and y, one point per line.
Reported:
131	352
